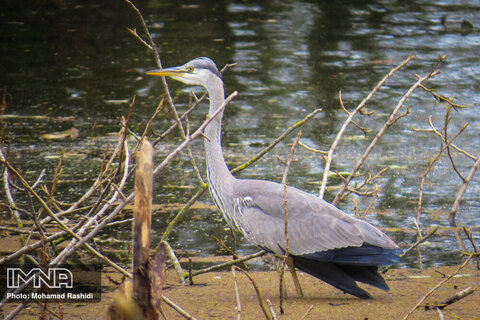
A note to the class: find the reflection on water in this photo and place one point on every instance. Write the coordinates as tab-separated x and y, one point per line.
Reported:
73	64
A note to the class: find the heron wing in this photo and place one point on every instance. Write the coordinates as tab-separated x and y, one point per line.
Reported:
313	224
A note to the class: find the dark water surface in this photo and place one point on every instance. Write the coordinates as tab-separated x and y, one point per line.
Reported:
73	64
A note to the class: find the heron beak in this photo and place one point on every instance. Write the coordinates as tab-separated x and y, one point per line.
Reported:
167	72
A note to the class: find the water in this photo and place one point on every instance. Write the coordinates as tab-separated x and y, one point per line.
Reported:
72	64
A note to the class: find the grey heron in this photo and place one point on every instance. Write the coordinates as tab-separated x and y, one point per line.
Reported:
324	241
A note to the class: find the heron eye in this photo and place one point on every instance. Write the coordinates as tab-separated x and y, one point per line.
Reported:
190	69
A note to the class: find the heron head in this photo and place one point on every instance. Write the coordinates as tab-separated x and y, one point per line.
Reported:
195	72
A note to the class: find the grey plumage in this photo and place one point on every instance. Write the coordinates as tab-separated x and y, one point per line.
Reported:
324	241
314	225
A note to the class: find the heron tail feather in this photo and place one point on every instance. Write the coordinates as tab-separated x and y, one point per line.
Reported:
343	276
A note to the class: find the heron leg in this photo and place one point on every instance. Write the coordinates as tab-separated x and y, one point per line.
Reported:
293	271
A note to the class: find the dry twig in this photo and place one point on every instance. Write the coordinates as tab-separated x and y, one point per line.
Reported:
349	119
452	299
229	263
265	310
238	308
461	192
287	239
441	283
391	120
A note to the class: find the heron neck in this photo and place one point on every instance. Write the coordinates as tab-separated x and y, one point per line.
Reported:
218	172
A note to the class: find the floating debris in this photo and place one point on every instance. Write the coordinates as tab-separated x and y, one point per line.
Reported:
71	134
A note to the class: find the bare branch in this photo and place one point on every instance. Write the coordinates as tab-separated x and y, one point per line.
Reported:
441	283
230	263
265	310
461	192
390	122
349	119
237	295
287	239
175	307
197	133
